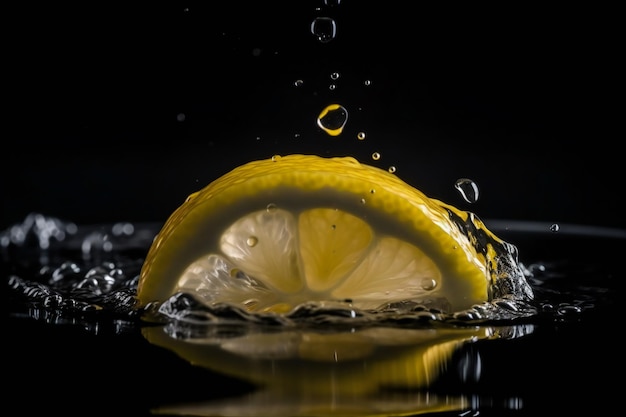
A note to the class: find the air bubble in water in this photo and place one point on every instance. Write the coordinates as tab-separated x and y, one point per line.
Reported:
324	28
468	189
333	119
252	241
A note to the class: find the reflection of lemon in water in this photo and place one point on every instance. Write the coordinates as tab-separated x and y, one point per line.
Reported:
272	234
307	372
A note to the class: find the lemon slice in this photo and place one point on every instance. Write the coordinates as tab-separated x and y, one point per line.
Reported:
273	234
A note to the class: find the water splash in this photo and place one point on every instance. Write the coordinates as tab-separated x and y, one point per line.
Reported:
52	279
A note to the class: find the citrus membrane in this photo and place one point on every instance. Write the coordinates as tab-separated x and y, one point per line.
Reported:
274	234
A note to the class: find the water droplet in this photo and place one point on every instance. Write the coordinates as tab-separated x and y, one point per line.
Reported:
252	241
332	87
333	119
367	83
428	284
360	136
324	28
362	201
554	228
298	83
376	156
334	226
372	191
334	76
276	158
181	117
468	189
271	207
392	169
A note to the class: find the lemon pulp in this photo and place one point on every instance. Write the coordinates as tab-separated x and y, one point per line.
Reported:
273	234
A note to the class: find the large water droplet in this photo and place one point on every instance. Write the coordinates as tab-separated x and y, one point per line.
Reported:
324	28
333	119
468	189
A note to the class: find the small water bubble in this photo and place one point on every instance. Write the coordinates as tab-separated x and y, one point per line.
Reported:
271	207
324	28
333	119
372	191
360	136
276	158
468	189
367	83
252	241
428	284
120	229
298	83
565	309
334	76
554	228
376	156
332	87
392	169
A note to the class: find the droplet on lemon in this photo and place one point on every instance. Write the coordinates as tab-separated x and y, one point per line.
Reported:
273	234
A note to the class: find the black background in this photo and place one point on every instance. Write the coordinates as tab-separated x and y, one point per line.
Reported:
519	99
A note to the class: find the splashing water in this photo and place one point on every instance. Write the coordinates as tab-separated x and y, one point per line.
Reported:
62	269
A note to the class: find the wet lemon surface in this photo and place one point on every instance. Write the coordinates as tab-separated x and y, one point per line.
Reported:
273	234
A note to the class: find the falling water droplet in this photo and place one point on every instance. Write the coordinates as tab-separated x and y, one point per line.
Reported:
324	28
333	119
468	189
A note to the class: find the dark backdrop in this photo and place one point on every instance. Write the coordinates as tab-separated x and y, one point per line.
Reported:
122	111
